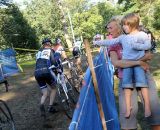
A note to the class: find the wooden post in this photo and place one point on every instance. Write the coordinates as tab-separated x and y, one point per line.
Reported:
95	84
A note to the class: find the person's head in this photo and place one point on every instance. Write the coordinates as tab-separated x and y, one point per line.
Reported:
146	30
46	42
130	22
57	41
78	39
114	26
76	51
97	37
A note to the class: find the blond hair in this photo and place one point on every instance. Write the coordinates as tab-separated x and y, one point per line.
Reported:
117	20
131	19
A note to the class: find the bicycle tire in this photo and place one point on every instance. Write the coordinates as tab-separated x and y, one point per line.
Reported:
67	104
73	92
6	118
75	79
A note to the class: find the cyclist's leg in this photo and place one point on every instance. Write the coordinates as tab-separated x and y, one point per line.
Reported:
43	86
44	95
52	96
52	83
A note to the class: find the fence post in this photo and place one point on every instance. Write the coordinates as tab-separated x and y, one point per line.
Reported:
95	84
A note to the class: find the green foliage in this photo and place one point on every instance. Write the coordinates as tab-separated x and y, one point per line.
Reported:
75	6
14	29
93	20
107	11
44	17
87	23
156	23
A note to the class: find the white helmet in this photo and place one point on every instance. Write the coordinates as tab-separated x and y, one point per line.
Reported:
97	36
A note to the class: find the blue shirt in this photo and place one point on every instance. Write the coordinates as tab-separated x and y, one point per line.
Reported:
134	45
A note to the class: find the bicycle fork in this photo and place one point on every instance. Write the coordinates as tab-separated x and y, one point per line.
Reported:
64	87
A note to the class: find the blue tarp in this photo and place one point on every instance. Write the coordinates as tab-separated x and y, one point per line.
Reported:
8	63
86	115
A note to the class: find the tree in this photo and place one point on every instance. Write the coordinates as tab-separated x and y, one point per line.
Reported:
44	16
14	29
156	22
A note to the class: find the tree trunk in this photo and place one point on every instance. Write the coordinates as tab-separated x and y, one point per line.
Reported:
66	34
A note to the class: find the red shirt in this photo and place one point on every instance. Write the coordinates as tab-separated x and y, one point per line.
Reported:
118	49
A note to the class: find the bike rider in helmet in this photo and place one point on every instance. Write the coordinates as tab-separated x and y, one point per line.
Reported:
76	52
58	48
97	37
44	59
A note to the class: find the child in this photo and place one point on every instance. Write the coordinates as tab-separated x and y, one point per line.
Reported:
134	44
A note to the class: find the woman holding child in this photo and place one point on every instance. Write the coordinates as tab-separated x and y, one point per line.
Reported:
128	119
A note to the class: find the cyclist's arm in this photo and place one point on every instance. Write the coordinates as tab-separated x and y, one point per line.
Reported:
52	58
63	54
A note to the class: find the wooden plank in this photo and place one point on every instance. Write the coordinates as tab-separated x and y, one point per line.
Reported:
95	84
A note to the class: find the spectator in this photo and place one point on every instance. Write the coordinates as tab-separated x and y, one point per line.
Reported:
134	44
115	51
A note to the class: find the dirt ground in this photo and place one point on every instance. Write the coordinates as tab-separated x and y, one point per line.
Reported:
23	99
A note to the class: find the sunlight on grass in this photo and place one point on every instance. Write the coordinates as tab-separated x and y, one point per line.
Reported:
28	64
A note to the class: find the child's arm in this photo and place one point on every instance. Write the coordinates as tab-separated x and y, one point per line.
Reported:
107	42
143	46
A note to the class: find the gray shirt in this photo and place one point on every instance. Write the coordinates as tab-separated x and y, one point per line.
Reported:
134	45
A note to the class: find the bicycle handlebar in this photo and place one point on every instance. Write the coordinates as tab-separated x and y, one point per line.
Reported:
63	63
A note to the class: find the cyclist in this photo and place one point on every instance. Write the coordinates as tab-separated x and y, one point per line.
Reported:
76	52
44	59
97	37
58	48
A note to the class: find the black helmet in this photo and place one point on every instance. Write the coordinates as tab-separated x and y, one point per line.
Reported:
57	41
45	40
76	51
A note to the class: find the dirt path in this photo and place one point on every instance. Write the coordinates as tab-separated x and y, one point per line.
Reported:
23	99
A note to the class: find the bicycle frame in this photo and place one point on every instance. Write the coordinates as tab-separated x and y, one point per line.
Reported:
62	83
60	80
65	91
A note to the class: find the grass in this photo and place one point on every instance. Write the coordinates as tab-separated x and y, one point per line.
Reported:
28	64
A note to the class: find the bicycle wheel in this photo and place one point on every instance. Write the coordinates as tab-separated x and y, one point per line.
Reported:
75	79
6	118
73	93
67	104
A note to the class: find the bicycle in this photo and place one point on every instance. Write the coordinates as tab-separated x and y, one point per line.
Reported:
66	92
6	118
76	78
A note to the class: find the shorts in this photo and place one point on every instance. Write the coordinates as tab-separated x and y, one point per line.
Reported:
44	78
131	122
134	76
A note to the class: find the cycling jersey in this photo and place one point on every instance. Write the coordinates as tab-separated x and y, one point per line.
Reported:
44	59
58	49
